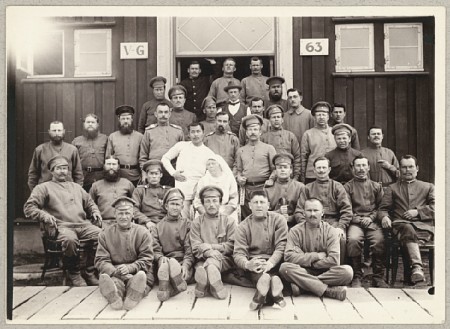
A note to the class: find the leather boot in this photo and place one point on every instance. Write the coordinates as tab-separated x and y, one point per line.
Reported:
417	274
73	270
262	288
215	283
336	292
89	271
163	293
175	276
135	290
357	270
276	287
378	272
109	290
201	279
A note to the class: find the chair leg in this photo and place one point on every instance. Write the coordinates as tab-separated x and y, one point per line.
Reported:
394	263
431	264
388	252
406	266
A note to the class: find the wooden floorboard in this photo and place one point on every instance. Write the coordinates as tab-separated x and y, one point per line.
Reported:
56	309
22	294
210	308
341	311
177	307
37	302
424	299
146	309
367	306
310	309
109	314
276	314
89	308
239	304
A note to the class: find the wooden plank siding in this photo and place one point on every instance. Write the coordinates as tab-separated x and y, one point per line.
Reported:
402	104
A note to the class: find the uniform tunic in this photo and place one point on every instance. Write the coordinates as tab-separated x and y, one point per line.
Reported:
132	247
158	140
378	173
226	145
264	237
126	149
290	190
255	161
236	119
315	143
183	119
149	203
298	121
104	192
209	126
284	142
192	160
67	202
171	239
217	86
341	163
197	89
92	155
254	86
38	171
243	139
336	204
147	114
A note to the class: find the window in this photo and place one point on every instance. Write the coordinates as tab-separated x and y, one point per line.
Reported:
354	48
403	47
93	52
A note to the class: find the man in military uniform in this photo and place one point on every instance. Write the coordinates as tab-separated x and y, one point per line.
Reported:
285	192
197	88
255	84
234	107
210	110
112	186
297	119
124	259
158	138
337	206
254	161
256	107
337	116
222	141
91	148
38	171
125	144
146	117
282	140
276	92
179	115
382	161
258	250
149	210
312	257
218	85
365	196
342	156
408	207
65	209
172	247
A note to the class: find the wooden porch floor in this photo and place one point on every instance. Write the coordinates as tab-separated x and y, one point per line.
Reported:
63	304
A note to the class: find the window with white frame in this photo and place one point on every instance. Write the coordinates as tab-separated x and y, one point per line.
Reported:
354	48
92	52
403	47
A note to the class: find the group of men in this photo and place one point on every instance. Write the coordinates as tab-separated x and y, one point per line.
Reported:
308	197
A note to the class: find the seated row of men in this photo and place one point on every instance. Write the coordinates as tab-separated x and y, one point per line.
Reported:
357	209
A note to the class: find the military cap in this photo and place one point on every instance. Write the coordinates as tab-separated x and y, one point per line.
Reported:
320	104
272	109
232	85
151	164
208	101
123	202
283	158
177	88
252	119
342	128
124	109
162	81
173	194
210	191
57	160
275	79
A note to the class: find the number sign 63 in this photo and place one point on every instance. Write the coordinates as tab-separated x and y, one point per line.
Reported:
313	47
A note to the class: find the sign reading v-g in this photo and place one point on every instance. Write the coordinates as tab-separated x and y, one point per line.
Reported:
133	50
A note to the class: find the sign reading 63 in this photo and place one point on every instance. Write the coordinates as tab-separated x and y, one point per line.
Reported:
313	47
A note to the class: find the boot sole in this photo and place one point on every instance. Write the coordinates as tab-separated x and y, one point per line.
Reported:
215	279
175	275
109	290
135	291
201	278
277	291
163	292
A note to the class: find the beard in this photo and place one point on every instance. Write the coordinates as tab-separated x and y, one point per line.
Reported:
126	130
111	175
275	97
91	133
57	139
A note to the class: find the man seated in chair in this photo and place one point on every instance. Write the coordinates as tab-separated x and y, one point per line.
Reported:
408	207
124	258
65	209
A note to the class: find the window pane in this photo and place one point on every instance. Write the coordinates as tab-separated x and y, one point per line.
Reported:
404	56
48	55
93	52
355	58
92	63
403	36
355	38
93	42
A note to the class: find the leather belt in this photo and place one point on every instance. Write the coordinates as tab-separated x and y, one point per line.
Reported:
127	166
255	183
91	169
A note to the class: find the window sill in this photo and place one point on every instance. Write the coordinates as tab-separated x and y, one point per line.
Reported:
375	19
79	80
377	74
86	24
